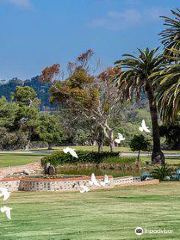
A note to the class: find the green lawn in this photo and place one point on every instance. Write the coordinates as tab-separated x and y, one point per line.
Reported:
97	215
169	160
16	159
91	148
105	148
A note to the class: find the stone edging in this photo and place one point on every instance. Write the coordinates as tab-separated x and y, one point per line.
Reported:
141	183
69	184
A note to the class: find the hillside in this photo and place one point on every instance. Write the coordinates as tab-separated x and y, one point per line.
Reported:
42	90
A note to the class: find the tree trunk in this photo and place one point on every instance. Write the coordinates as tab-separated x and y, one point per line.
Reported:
49	146
27	147
112	145
100	140
157	154
108	132
139	155
100	147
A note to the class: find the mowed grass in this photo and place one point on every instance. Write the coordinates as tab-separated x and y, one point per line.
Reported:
16	159
168	160
106	148
90	148
96	215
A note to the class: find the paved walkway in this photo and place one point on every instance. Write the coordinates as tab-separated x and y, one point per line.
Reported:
122	154
149	154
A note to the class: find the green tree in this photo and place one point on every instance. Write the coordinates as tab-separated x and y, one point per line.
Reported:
170	36
10	135
139	143
135	79
168	92
49	130
88	96
27	116
25	96
168	97
172	135
8	112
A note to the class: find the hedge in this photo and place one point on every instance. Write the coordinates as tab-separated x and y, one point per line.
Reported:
59	157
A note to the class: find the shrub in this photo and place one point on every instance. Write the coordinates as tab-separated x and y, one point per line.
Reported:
120	159
60	157
139	143
160	172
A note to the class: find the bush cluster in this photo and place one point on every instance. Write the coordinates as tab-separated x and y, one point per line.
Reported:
160	172
59	157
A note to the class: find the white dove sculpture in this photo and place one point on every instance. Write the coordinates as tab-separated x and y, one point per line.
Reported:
6	210
143	127
121	138
94	181
84	189
106	181
71	151
4	193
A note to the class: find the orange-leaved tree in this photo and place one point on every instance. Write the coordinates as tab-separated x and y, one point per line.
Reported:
94	97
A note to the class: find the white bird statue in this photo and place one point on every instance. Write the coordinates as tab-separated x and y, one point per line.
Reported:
84	189
94	181
71	151
106	181
121	138
4	193
6	210
143	127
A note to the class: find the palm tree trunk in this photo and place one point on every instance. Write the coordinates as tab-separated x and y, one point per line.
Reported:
157	154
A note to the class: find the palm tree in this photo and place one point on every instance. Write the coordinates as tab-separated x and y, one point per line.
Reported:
135	79
171	35
168	92
168	97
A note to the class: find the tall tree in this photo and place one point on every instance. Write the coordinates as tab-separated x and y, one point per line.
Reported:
135	79
27	116
168	96
170	36
172	135
49	130
168	93
87	95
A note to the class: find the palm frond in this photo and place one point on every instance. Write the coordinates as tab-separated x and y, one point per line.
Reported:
136	70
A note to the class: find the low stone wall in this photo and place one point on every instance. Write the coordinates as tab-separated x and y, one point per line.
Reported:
125	180
11	184
141	183
9	170
69	184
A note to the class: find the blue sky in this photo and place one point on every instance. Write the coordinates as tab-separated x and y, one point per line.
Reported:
38	33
